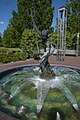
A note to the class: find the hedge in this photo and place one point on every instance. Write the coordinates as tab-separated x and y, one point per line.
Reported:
9	55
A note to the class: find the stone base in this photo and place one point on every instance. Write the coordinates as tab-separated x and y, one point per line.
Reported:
47	75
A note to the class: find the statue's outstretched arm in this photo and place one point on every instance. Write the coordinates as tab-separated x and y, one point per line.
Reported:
36	28
34	24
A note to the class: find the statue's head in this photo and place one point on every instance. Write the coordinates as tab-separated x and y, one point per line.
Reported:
44	34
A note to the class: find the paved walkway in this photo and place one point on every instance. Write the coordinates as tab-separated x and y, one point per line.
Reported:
69	61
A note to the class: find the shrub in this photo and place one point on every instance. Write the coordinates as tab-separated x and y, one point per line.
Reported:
8	55
28	41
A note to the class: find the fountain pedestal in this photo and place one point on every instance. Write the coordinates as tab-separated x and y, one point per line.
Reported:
47	75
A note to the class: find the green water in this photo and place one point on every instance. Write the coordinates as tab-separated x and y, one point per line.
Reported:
23	102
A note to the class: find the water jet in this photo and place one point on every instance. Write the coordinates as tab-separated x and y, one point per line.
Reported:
23	92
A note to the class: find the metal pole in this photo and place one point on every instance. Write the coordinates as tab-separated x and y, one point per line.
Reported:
77	45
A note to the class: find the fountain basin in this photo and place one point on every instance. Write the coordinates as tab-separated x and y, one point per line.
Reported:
19	93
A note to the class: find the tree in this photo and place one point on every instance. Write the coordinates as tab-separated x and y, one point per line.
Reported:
16	22
9	37
53	38
0	40
24	7
28	41
73	13
77	5
70	40
21	20
43	13
73	21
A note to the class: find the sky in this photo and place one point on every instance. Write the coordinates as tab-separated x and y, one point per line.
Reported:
7	6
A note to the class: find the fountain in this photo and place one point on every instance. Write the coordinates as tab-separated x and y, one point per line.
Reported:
24	94
41	92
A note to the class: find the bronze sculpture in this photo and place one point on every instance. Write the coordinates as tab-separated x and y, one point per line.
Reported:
48	50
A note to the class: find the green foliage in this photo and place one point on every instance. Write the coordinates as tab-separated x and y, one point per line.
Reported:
73	13
15	22
11	49
0	41
9	55
73	22
43	13
53	38
9	38
21	19
71	40
24	8
51	30
28	41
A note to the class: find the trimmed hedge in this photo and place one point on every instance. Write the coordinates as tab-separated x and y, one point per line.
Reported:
8	55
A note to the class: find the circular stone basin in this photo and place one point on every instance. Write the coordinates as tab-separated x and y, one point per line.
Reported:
24	94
